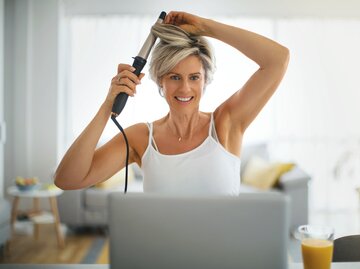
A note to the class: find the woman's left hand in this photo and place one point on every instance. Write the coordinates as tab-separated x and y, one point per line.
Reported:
186	21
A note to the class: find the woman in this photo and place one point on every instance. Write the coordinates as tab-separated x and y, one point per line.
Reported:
186	151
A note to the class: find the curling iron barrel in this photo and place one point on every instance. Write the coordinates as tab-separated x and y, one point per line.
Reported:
138	64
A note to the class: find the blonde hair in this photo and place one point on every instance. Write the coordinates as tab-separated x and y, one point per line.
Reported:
175	45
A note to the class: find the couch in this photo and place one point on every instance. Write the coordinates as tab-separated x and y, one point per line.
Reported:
5	215
88	207
293	183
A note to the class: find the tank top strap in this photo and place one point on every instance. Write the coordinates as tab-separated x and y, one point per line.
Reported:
151	141
212	129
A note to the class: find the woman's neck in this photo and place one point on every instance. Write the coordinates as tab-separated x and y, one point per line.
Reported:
183	126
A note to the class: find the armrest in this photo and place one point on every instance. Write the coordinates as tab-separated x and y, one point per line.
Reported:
295	184
71	205
295	178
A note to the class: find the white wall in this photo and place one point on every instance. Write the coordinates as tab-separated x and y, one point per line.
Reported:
32	30
8	87
31	87
2	122
268	8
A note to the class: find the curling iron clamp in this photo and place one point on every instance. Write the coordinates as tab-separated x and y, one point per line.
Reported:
138	64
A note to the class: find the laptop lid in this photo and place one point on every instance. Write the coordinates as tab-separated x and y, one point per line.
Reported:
163	231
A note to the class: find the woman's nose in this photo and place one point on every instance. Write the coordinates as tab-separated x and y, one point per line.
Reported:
185	86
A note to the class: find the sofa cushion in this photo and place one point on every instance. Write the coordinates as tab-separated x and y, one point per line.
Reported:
250	150
5	213
96	217
116	180
262	174
296	178
5	209
96	199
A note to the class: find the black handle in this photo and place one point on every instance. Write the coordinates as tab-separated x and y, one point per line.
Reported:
121	98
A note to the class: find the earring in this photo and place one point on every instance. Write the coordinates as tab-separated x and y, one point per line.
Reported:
161	91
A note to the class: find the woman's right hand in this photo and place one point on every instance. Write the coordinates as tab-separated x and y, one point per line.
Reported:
125	81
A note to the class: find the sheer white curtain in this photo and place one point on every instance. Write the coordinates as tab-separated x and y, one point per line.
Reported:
312	118
317	114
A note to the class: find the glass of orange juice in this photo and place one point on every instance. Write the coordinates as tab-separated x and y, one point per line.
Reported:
316	246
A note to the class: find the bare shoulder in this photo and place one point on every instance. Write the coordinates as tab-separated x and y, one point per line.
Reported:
222	121
229	133
138	136
138	128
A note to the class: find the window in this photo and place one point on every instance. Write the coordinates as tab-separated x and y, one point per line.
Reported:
310	119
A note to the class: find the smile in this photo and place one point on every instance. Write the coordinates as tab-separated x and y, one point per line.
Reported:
183	99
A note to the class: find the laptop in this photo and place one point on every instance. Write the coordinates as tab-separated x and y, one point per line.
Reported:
248	231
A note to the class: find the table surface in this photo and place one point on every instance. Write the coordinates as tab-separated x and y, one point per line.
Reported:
337	265
14	191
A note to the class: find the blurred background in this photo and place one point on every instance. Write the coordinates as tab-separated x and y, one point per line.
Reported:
58	57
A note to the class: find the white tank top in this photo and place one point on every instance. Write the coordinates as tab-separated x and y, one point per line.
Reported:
207	169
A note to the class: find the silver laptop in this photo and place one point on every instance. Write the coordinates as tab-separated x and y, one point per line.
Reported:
166	232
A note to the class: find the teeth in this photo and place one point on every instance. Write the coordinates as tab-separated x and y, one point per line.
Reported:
183	99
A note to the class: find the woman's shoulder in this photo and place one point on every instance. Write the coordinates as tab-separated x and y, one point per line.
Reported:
138	126
138	129
137	136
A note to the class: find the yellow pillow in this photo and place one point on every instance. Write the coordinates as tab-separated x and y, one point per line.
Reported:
263	174
116	180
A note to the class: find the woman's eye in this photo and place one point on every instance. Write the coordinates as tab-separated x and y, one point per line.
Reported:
174	77
194	77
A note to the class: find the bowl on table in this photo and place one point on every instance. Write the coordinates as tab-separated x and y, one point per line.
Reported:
27	184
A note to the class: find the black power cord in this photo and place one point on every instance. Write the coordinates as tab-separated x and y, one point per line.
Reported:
121	98
113	117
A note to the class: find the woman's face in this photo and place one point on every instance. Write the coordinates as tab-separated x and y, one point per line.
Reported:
183	85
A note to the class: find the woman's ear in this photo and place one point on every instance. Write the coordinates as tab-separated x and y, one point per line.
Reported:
161	91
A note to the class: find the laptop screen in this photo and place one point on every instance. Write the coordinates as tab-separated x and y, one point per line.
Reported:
163	231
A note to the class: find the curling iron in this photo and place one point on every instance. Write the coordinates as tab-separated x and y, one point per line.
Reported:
138	64
121	98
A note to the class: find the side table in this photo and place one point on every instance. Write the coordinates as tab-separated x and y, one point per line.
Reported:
36	215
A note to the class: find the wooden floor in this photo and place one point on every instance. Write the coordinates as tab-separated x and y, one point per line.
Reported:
26	249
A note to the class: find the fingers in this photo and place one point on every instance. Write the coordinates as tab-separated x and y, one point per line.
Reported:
122	67
125	81
127	71
175	17
141	76
125	85
130	75
186	21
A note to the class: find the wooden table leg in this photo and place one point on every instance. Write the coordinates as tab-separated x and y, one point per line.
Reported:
36	230
15	205
55	212
36	205
7	248
36	211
